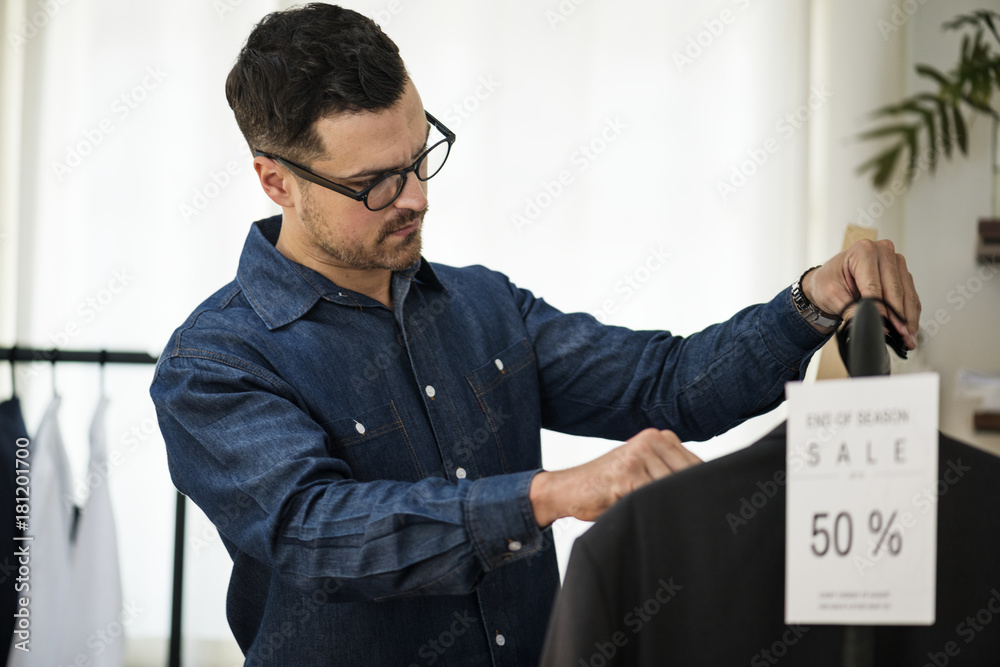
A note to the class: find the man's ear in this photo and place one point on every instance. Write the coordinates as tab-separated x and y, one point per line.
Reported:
277	182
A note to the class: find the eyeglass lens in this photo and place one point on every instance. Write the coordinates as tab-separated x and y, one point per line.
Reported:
386	191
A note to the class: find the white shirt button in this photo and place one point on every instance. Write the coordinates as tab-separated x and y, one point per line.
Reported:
500	640
359	427
514	545
460	473
429	390
499	364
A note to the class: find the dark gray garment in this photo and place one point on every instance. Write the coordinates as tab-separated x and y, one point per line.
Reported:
690	570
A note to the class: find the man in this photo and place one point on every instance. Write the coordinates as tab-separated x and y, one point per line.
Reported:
362	426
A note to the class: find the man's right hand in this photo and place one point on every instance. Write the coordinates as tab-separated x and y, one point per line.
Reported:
587	490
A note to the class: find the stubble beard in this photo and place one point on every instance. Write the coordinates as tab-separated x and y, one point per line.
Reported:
387	252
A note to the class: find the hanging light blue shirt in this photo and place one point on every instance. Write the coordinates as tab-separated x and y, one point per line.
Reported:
368	469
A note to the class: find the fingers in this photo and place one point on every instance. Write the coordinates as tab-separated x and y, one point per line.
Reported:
911	301
880	273
659	453
676	455
586	491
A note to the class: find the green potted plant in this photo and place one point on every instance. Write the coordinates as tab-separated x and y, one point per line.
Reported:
928	124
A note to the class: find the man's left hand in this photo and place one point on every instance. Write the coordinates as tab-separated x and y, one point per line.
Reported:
872	270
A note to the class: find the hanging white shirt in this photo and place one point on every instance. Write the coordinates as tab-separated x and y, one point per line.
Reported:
50	521
95	579
75	589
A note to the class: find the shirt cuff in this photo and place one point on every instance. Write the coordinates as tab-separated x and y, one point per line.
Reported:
500	519
788	336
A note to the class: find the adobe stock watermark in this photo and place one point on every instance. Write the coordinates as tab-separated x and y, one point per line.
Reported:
562	12
898	17
223	7
786	126
552	189
635	620
102	638
34	23
302	611
434	648
951	473
109	634
460	111
632	281
779	648
373	367
755	501
704	39
219	521
121	108
99	474
383	17
212	187
968	629
959	297
88	310
883	201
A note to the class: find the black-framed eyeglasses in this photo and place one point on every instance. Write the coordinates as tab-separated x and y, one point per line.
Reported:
385	188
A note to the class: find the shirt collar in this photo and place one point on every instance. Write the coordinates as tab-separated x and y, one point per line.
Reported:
281	291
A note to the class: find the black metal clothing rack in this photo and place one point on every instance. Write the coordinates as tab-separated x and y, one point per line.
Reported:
22	354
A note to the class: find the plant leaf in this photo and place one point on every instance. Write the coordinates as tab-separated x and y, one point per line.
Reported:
930	72
960	133
979	106
988	20
886	131
911	163
942	113
886	166
892	109
931	125
882	164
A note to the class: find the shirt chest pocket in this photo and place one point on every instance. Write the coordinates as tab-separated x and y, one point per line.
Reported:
375	444
506	389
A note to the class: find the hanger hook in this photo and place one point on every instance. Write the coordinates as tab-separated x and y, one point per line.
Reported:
52	358
102	360
11	357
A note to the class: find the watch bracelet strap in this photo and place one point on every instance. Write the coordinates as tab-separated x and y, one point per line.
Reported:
807	308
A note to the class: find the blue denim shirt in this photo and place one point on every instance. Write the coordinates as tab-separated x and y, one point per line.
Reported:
368	468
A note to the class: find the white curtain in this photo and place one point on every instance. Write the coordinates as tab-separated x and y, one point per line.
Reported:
644	161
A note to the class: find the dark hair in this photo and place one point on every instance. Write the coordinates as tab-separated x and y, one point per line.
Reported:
307	63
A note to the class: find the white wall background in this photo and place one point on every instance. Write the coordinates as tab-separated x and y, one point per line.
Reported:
525	87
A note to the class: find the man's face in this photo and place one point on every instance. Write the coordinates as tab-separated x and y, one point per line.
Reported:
339	231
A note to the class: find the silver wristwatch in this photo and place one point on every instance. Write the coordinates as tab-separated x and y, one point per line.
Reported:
811	313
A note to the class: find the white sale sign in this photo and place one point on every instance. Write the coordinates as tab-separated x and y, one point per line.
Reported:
861	526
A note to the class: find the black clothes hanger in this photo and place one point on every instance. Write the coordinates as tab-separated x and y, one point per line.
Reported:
860	341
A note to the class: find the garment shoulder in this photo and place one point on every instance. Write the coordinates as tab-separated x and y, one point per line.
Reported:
225	321
477	274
